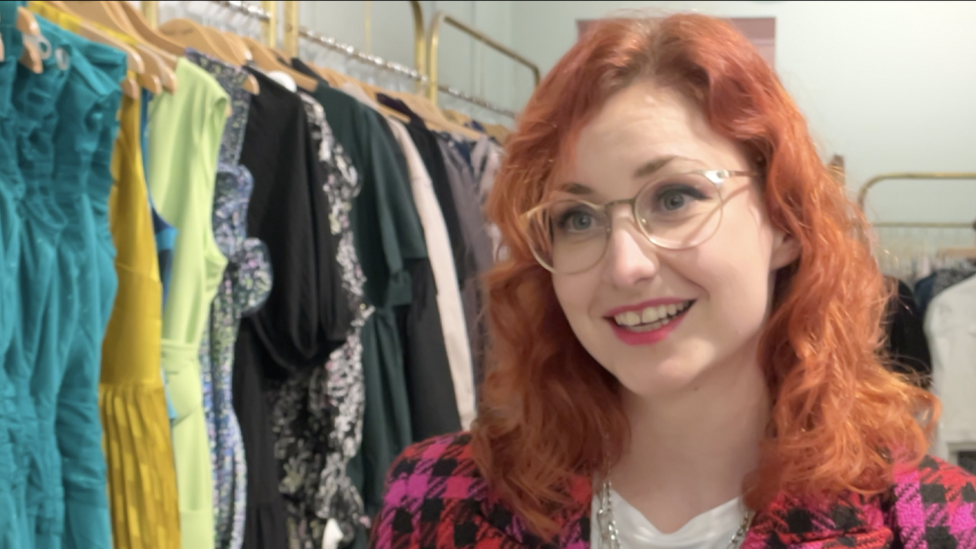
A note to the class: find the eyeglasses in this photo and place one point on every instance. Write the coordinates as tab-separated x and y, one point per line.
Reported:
674	211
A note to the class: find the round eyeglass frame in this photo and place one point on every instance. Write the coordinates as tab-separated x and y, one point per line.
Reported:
716	177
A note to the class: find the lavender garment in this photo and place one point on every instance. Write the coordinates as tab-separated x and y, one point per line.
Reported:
317	415
244	288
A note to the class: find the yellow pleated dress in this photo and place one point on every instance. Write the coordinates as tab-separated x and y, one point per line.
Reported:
138	446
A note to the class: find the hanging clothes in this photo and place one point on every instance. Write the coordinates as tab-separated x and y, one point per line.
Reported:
245	286
16	531
426	143
388	236
34	98
302	413
276	150
185	138
165	234
85	140
906	344
464	186
142	473
338	498
421	155
950	325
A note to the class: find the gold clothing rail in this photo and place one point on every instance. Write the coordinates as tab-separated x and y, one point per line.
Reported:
947	176
266	15
293	31
433	42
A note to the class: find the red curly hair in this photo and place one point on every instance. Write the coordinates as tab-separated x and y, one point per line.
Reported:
550	413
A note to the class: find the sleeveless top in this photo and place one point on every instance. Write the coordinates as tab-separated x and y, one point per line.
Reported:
141	472
184	139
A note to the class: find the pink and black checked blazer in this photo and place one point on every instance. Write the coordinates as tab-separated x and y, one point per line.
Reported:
437	499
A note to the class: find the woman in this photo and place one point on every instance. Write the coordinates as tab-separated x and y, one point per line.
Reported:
686	329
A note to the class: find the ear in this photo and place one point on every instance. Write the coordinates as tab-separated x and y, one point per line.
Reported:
786	250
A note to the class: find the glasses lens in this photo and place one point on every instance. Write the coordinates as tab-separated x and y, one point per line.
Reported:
675	212
680	211
567	236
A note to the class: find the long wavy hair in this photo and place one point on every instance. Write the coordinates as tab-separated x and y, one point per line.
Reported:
840	420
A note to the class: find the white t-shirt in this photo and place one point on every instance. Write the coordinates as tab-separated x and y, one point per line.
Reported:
712	529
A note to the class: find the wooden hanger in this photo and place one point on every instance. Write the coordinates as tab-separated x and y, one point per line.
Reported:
31	56
191	34
457	117
157	75
26	23
432	115
265	60
88	31
148	33
334	78
239	54
238	44
165	58
374	92
956	253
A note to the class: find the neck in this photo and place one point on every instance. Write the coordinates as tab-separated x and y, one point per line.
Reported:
689	452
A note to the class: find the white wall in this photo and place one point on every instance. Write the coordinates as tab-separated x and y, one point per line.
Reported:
889	85
463	63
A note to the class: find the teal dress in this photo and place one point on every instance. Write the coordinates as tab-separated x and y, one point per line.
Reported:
34	99
84	140
12	515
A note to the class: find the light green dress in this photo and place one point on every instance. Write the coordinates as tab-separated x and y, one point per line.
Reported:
185	133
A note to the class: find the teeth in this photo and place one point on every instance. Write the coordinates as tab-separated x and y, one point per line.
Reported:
651	317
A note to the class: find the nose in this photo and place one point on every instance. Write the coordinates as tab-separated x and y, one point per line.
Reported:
630	257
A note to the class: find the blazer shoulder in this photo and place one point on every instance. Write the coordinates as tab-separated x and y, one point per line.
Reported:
429	487
935	472
441	467
934	500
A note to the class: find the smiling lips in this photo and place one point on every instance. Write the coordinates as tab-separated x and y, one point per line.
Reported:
648	323
651	317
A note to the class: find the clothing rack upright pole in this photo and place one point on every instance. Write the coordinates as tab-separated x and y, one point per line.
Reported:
293	31
150	12
433	42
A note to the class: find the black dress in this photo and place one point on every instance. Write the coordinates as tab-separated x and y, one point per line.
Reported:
403	346
307	314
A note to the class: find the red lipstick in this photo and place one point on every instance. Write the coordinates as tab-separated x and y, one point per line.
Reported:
647	337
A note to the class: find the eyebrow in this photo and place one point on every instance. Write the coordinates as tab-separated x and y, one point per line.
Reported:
644	170
653	165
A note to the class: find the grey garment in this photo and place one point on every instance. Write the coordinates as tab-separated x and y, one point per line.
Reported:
467	201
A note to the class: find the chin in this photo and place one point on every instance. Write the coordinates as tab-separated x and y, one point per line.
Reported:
649	379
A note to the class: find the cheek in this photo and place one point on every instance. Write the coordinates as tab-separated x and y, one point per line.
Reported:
575	294
733	267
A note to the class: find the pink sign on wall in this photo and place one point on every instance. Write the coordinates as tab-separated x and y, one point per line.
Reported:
761	31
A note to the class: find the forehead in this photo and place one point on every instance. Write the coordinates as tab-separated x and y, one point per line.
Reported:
642	122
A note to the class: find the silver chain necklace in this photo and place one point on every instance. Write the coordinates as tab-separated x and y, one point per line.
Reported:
610	537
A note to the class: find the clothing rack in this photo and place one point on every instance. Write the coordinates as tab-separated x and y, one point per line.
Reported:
947	176
266	14
433	42
292	32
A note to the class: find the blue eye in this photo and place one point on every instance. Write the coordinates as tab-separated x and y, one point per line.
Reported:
676	197
576	221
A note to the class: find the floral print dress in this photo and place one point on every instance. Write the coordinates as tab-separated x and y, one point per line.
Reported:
244	288
317	414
